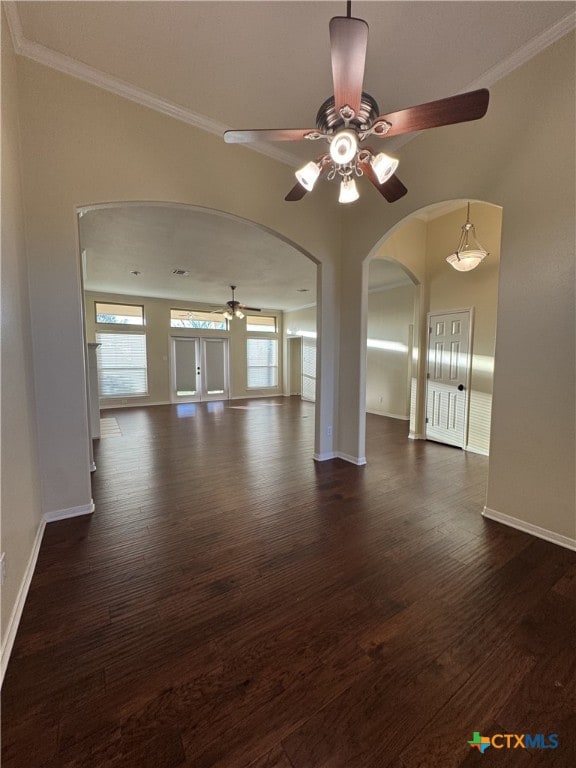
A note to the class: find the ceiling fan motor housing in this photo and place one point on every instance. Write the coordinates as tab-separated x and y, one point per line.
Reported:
328	120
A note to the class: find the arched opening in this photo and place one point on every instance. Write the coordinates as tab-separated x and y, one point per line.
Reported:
418	246
173	265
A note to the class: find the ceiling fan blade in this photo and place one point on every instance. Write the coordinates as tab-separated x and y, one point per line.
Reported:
267	134
348	44
250	309
392	190
296	193
455	109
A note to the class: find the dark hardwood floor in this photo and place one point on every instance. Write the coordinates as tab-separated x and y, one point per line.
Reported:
233	603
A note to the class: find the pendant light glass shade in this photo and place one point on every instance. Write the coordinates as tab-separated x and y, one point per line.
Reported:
383	166
468	254
308	175
348	191
343	147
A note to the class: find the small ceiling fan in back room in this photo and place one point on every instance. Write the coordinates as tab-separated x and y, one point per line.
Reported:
351	117
233	307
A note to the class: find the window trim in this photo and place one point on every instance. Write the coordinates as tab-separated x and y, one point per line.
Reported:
276	367
111	330
195	328
263	330
118	304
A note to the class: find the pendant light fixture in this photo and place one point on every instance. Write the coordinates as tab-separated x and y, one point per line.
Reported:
469	252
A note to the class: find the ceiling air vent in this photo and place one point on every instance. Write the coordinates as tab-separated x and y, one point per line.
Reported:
180	272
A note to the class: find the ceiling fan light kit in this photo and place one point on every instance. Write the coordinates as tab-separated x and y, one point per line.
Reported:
468	255
308	175
346	119
348	191
234	309
384	166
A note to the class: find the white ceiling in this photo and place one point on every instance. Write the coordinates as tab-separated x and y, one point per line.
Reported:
260	65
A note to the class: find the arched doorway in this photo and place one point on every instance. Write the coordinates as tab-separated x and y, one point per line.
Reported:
419	245
173	261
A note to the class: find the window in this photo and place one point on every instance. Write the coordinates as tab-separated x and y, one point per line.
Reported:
122	366
261	323
119	314
262	356
195	318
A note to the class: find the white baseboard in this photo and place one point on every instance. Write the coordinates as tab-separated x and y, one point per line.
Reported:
359	461
388	414
416	436
339	455
63	514
480	451
325	456
107	406
16	615
533	530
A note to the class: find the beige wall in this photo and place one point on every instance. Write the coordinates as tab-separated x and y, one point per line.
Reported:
158	333
390	320
527	167
85	146
20	496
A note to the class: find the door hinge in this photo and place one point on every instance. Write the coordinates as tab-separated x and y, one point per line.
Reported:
427	420
427	375
430	329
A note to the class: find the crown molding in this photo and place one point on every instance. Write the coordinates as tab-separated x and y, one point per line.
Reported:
506	66
525	53
69	66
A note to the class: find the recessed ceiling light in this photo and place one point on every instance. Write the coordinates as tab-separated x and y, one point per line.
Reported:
180	272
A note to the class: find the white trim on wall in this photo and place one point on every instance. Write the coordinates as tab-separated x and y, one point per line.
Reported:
479	451
18	608
360	461
533	530
388	414
325	456
78	69
64	514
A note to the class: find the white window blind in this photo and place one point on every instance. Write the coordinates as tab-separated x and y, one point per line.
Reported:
122	365
262	358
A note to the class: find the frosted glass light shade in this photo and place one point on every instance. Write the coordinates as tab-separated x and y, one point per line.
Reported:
227	315
348	191
343	147
308	175
383	166
239	315
466	260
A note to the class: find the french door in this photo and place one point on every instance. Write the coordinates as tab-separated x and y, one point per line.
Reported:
199	368
448	377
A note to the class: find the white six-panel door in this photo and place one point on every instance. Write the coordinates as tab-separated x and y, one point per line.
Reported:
448	377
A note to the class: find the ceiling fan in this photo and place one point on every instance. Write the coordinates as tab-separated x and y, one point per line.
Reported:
234	308
349	117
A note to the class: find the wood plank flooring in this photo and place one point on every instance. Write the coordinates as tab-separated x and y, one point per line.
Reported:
232	603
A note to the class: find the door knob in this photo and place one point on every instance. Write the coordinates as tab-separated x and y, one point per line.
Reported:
460	387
